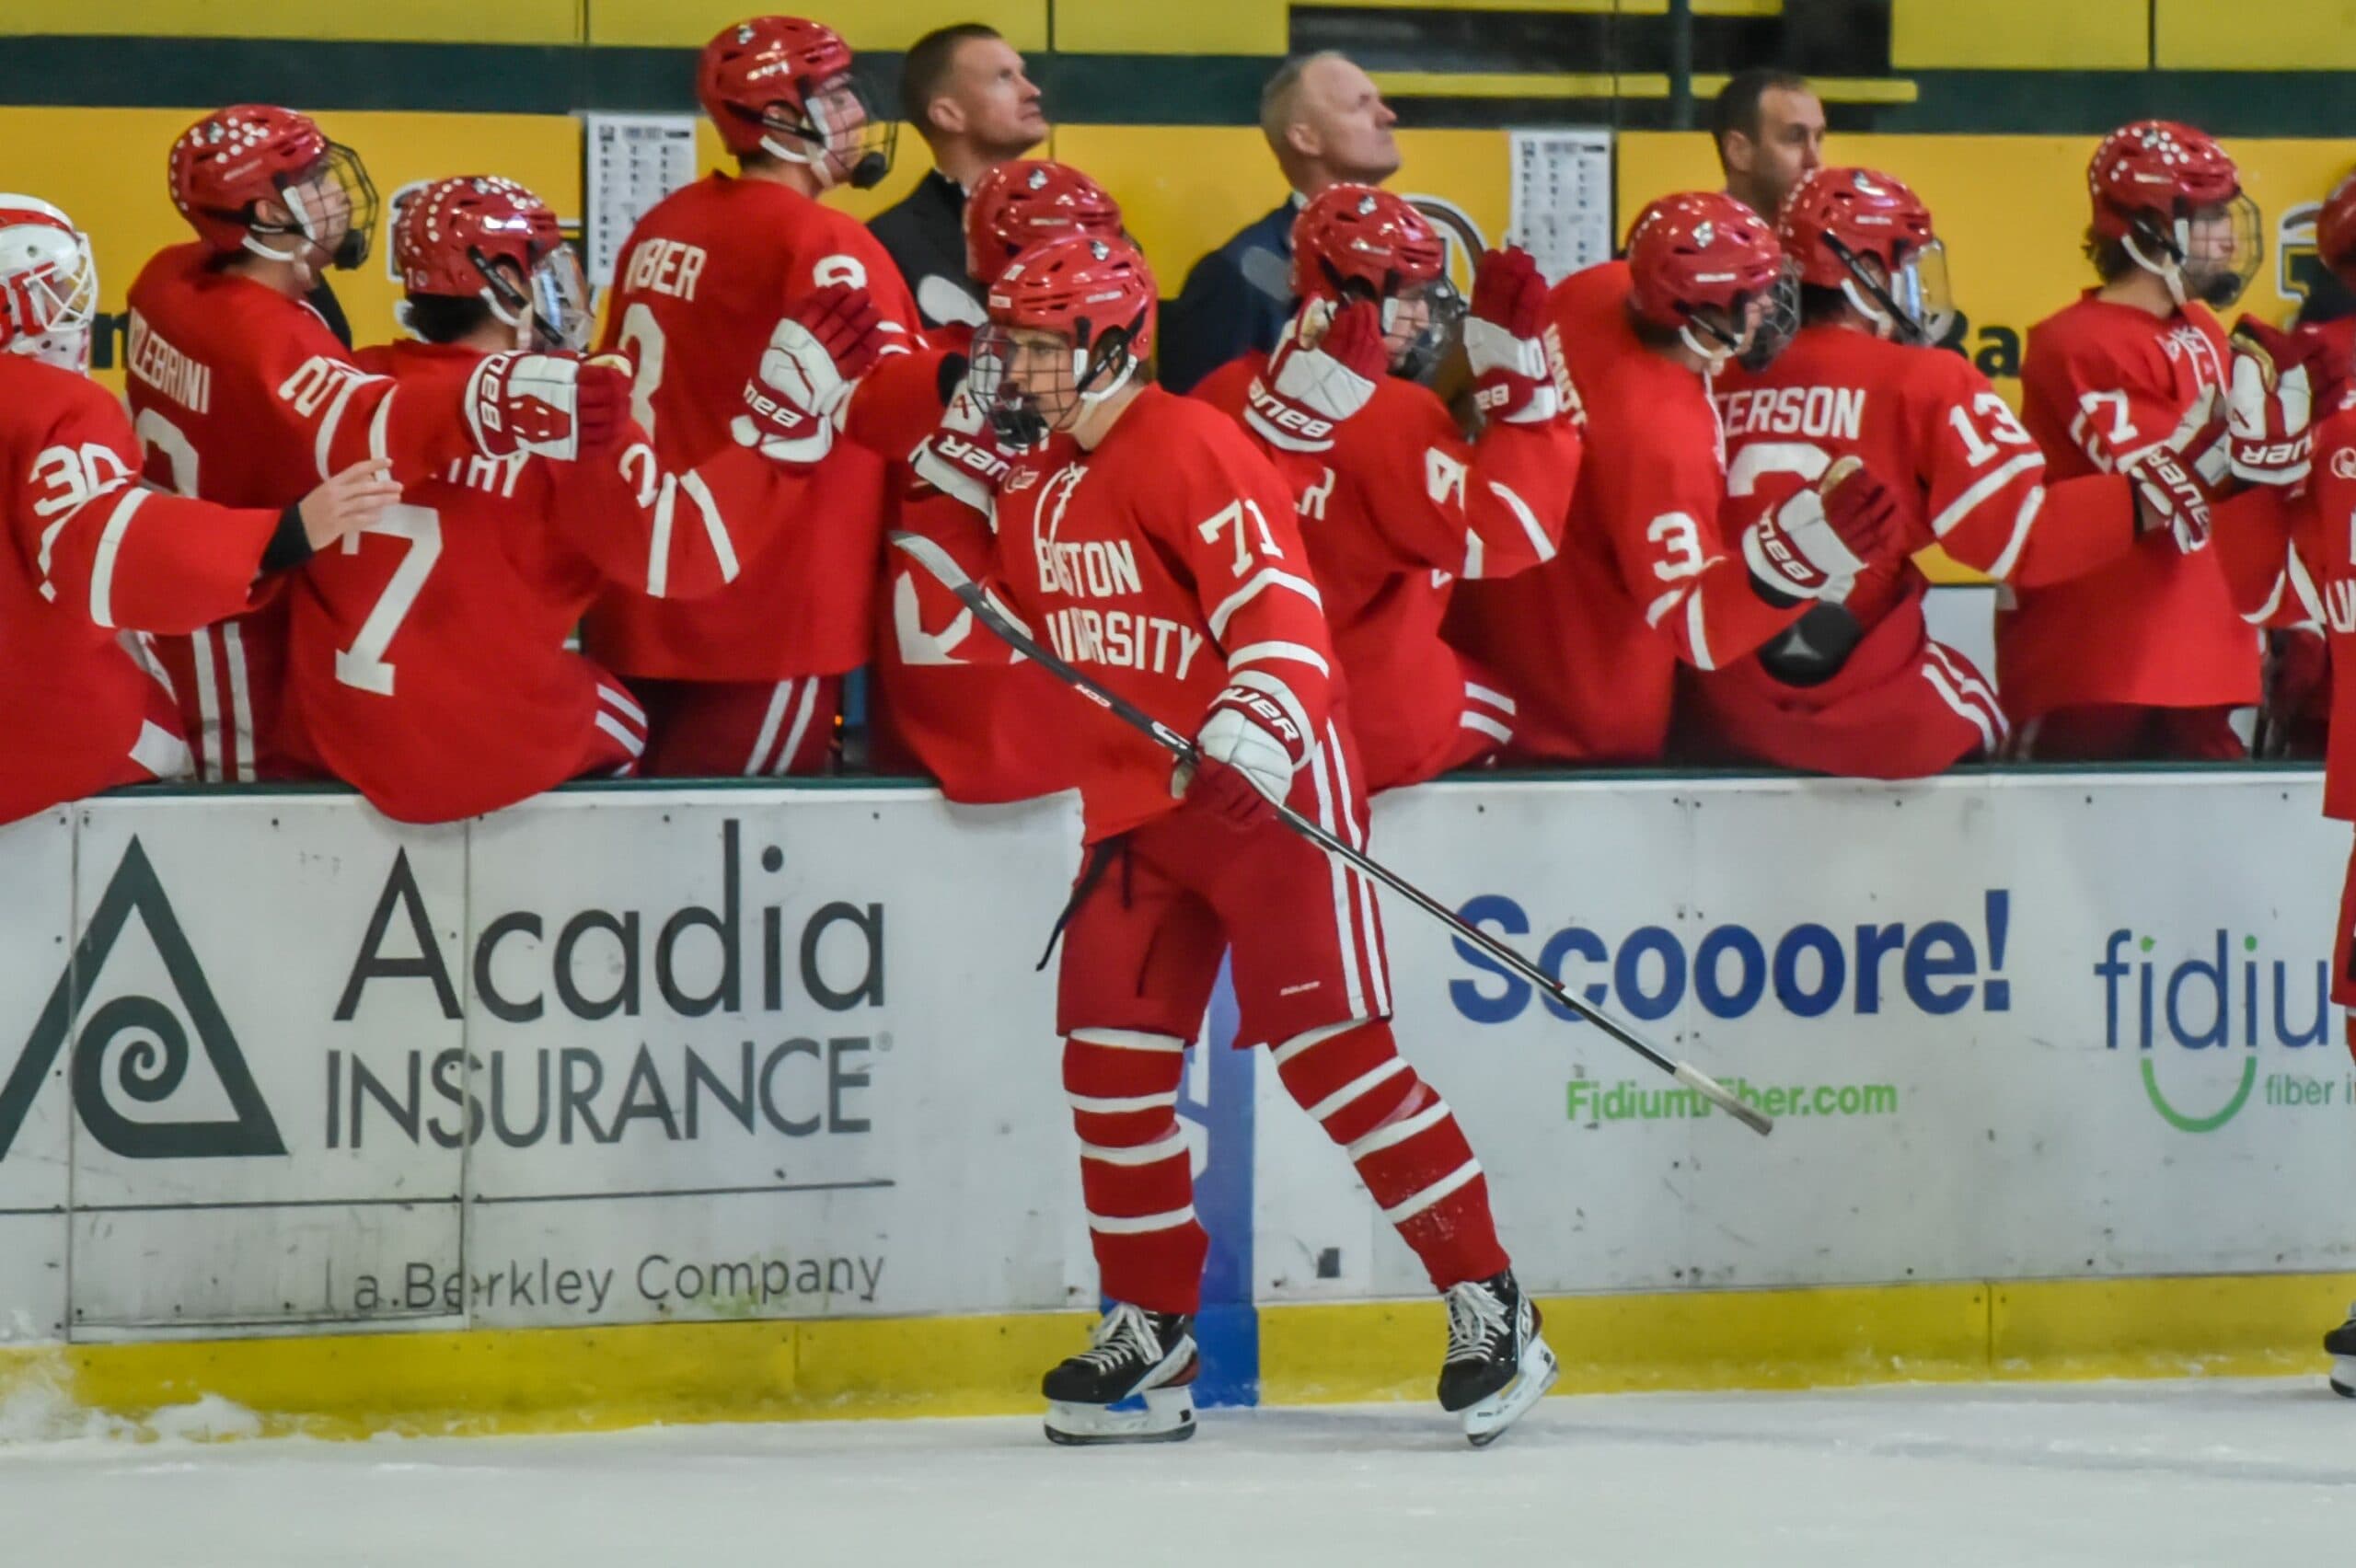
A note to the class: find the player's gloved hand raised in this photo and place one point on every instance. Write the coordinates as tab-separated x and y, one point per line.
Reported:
545	406
965	458
2172	478
1245	756
1518	371
2269	411
831	338
1325	369
1815	543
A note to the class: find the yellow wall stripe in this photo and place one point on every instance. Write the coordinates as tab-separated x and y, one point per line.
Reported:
421	21
1995	35
485	1381
2256	35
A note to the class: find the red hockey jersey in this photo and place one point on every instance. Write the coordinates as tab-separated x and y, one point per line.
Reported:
1588	644
243	396
89	551
427	666
1394	515
2295	555
1160	562
1968	476
702	282
2102	384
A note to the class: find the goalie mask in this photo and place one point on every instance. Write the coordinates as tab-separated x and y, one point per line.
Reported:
1071	323
783	87
228	165
49	284
1357	242
2172	199
480	236
1867	235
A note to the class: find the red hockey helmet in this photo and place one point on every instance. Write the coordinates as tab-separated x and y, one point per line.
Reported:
49	284
1017	205
1703	264
2336	231
1361	242
228	163
1867	235
783	86
480	236
1070	323
2172	196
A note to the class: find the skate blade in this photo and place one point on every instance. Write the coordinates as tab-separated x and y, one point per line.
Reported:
1167	1416
2343	1377
1487	1422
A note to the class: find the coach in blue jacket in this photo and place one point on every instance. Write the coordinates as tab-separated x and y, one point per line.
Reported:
1327	123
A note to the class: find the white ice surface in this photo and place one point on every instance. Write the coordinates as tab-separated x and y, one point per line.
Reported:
2250	1474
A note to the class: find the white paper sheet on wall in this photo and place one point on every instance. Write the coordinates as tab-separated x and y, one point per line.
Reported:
1561	198
632	162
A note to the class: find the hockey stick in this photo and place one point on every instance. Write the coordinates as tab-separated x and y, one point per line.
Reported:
944	569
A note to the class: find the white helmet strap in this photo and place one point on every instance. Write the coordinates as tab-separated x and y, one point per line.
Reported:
2169	271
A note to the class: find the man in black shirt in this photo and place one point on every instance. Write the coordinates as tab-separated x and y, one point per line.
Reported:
963	89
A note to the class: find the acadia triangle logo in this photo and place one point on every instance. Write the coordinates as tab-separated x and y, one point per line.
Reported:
156	1062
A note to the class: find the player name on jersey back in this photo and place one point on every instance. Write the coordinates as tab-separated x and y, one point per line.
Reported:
156	363
1820	413
670	266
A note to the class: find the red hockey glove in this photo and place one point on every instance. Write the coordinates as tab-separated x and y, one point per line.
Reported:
1325	369
829	340
1245	756
2270	412
546	405
1516	357
1813	546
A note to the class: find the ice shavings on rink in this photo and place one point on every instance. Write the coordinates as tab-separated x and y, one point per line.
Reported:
2147	1474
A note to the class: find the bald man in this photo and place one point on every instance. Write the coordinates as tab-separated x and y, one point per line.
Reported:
1326	123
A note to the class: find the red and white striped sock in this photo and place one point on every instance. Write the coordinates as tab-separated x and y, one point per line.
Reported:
1405	1143
1135	1174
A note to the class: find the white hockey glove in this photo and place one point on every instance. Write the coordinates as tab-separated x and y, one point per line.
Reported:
1517	362
2270	412
815	356
963	458
1325	369
1813	546
545	406
1251	745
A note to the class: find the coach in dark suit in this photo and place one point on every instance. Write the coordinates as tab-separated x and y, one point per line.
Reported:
964	90
1326	122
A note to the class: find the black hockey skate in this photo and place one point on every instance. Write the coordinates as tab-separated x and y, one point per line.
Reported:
1496	1366
2340	1345
1145	1360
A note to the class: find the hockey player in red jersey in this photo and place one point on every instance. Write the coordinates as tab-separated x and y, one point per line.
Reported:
981	727
427	663
2285	544
92	554
749	680
1396	505
1657	565
2336	247
244	397
1145	537
2144	658
1858	687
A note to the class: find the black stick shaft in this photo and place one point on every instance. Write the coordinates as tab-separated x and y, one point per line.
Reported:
944	567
